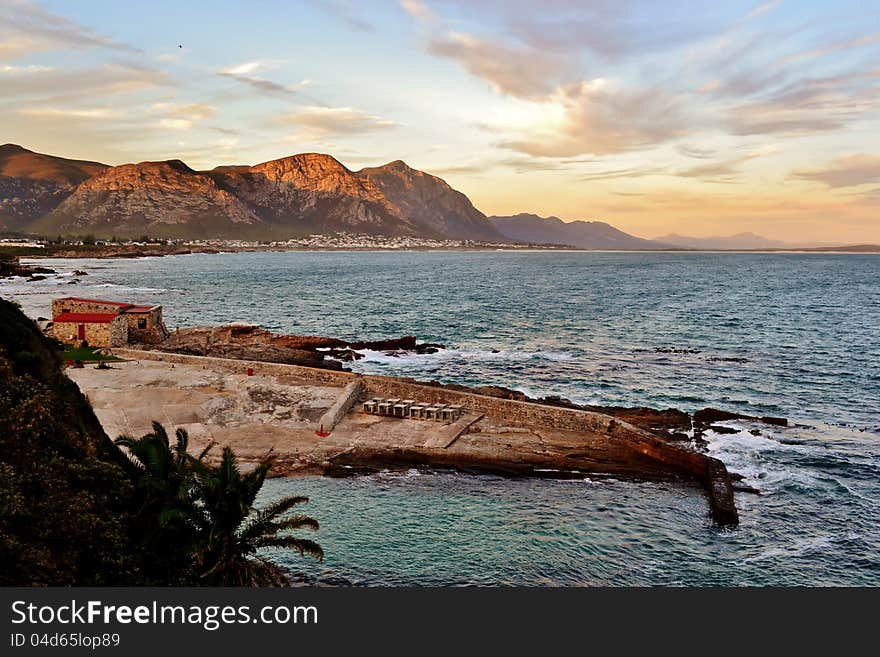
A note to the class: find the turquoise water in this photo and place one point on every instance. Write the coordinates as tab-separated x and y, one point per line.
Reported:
782	334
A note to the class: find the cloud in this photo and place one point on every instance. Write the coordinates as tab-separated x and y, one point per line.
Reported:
763	9
808	105
576	115
821	51
245	68
640	172
244	74
608	30
324	121
514	70
417	9
188	111
597	119
456	169
77	113
724	170
26	28
846	171
62	86
261	85
693	151
24	70
347	12
181	116
175	124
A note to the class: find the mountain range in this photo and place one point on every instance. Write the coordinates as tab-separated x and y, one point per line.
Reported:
532	229
733	242
289	197
309	193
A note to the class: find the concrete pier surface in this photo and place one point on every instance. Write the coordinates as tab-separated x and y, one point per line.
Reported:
278	408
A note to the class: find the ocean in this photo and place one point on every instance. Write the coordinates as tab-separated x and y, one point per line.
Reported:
793	335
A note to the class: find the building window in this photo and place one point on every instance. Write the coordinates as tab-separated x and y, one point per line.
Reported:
142	323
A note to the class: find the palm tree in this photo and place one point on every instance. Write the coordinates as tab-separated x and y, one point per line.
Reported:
167	493
166	475
232	532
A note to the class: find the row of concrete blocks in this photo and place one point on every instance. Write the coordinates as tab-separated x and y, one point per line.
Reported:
409	408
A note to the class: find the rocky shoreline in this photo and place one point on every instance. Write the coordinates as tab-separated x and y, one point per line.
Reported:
12	267
313	421
240	341
250	342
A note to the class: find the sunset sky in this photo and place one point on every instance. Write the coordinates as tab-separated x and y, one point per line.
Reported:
657	117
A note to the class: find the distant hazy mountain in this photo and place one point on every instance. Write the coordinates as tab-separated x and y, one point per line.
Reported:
739	241
583	234
32	184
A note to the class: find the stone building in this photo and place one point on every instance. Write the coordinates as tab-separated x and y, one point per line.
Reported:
106	323
96	329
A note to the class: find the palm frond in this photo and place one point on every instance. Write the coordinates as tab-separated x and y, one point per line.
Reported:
160	433
207	449
302	545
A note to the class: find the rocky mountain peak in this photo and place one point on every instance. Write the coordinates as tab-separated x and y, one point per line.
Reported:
33	184
430	201
12	149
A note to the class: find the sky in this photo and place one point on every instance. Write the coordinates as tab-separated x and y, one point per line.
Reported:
666	117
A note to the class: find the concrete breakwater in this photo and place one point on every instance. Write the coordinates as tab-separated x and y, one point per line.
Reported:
278	408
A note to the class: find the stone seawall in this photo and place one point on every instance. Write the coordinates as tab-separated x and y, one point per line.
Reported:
384	386
709	472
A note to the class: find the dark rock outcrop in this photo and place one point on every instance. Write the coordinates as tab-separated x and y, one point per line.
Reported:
250	342
708	416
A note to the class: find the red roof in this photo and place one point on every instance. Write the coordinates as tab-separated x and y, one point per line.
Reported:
85	318
118	304
139	309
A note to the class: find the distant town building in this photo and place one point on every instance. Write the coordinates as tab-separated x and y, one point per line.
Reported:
29	244
106	323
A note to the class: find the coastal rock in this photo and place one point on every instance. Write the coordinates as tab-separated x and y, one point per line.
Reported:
708	416
12	267
250	342
675	350
660	422
718	428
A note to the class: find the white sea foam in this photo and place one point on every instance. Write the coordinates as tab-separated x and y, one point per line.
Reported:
133	289
798	548
469	355
761	459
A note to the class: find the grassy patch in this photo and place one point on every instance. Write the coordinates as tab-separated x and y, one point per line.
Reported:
84	354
